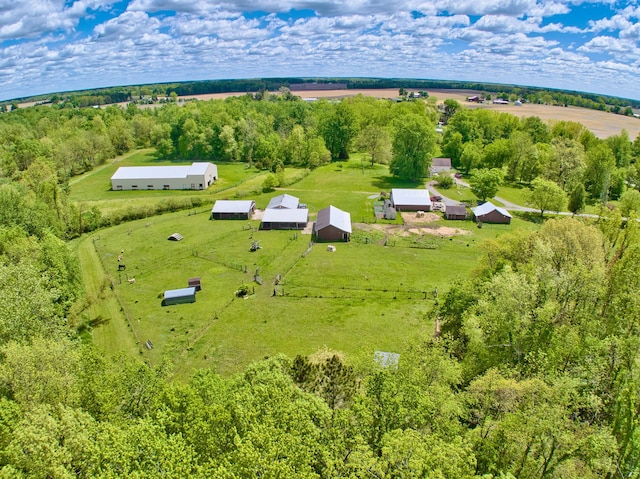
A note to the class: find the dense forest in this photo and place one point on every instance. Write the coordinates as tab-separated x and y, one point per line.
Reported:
534	373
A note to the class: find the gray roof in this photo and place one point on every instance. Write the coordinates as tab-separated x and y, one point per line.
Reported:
159	172
233	206
405	196
300	215
488	207
332	216
179	293
283	201
444	162
455	209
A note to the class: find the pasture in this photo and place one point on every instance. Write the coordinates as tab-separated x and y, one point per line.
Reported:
373	293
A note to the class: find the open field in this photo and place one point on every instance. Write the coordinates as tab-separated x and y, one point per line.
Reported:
373	293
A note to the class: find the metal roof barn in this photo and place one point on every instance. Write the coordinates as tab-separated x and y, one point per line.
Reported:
333	224
284	219
197	176
405	199
490	213
233	209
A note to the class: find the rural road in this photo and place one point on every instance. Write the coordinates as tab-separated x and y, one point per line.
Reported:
507	205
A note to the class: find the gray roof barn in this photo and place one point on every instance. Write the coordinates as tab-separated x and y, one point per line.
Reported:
333	224
455	212
283	201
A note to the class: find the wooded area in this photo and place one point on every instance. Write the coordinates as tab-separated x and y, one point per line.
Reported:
534	373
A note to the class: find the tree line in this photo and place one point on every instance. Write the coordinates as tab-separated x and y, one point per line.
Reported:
104	96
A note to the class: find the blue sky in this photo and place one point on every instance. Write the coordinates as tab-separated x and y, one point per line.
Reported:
59	45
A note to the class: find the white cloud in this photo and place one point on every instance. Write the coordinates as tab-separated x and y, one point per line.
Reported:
30	19
212	39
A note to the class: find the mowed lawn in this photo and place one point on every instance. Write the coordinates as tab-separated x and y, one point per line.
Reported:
94	188
361	298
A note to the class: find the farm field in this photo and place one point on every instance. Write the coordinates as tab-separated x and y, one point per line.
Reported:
373	293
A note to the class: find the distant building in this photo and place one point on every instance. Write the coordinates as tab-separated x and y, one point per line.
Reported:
284	219
490	213
474	98
233	210
197	176
333	224
499	101
317	86
404	199
440	164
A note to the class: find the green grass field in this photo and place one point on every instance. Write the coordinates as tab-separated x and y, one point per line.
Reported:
363	297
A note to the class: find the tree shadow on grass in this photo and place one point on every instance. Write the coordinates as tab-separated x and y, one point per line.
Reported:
385	183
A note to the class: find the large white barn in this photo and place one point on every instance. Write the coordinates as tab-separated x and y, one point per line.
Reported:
197	176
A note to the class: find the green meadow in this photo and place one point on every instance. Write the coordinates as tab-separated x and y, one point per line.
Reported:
373	293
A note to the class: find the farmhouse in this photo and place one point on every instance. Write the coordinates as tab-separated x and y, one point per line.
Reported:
283	202
455	212
198	176
233	210
179	296
404	199
285	219
333	224
440	164
490	213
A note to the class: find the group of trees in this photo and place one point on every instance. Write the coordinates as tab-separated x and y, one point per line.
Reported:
534	375
583	166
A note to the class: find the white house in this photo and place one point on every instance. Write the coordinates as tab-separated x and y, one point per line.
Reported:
198	176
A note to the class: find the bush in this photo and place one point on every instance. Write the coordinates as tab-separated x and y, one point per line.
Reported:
444	180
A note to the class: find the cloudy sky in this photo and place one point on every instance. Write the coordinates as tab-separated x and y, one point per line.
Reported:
60	45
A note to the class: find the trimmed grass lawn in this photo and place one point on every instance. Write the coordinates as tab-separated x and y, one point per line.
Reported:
516	194
363	297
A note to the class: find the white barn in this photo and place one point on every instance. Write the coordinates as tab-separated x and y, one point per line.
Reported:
405	199
197	176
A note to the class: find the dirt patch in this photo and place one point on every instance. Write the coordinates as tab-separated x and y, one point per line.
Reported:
414	219
413	229
442	231
257	215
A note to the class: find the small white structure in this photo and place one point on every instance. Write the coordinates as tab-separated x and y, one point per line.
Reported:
197	176
331	249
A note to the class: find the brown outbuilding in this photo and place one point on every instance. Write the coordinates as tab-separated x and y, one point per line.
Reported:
490	213
333	224
455	212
